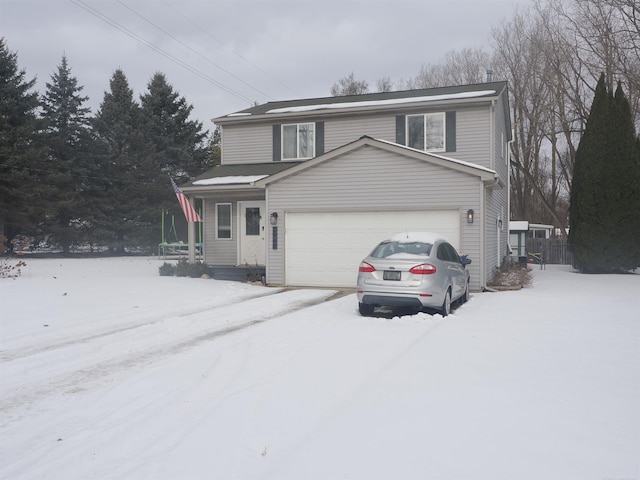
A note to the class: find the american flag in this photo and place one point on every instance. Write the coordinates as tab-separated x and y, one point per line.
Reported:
189	212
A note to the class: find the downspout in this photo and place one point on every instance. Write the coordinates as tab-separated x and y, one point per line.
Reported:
509	188
483	257
492	133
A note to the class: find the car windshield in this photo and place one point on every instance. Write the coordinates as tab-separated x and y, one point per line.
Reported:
397	249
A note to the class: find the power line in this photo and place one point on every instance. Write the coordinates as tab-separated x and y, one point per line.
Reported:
192	50
206	32
82	4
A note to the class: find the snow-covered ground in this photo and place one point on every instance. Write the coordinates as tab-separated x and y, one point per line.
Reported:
110	371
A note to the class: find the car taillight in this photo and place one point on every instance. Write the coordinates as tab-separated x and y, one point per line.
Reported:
366	268
423	269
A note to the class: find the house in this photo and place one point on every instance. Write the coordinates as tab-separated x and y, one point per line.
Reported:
307	188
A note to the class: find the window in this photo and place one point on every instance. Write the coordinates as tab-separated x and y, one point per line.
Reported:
426	132
447	253
252	221
298	141
223	220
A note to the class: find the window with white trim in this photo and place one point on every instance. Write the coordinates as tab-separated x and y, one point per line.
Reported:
427	132
298	141
223	220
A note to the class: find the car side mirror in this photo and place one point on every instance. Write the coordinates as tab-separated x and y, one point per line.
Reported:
466	261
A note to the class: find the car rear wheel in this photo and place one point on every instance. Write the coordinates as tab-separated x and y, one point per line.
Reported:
465	295
366	310
446	305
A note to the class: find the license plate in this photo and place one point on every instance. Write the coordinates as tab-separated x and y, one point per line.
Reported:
391	275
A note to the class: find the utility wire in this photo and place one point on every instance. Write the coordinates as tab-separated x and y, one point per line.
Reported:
82	4
191	49
206	32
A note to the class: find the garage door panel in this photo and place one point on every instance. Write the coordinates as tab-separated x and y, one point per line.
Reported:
325	249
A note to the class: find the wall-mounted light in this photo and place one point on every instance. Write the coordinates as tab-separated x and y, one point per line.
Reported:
273	218
469	216
499	224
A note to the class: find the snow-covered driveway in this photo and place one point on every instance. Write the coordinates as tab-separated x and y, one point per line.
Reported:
110	371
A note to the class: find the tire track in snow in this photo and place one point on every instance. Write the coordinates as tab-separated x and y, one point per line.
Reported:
21	352
83	378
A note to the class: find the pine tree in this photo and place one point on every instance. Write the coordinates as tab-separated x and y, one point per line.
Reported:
606	188
177	145
120	152
19	149
67	137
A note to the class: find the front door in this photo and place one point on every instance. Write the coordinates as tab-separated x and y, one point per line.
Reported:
252	233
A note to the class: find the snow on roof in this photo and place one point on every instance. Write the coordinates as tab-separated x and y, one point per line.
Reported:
375	103
423	237
236	179
520	225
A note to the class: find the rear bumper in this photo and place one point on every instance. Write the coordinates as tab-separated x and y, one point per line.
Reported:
379	299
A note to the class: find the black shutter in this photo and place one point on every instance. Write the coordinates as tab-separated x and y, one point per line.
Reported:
319	138
400	130
451	131
277	141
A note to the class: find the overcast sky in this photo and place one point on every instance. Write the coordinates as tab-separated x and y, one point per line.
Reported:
223	55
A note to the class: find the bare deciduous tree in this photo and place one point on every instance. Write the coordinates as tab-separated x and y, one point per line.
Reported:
458	68
349	86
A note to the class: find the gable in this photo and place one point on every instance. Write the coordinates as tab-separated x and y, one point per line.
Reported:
393	154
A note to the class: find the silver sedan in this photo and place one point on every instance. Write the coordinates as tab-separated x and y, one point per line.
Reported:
421	271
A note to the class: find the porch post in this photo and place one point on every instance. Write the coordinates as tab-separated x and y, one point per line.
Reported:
191	237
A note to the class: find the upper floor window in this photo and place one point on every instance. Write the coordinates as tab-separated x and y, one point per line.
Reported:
298	141
427	132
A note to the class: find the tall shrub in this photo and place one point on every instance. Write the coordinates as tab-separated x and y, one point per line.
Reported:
605	192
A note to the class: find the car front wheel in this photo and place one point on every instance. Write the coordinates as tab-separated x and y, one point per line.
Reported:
366	310
446	305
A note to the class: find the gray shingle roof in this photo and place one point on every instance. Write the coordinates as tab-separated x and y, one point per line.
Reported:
498	87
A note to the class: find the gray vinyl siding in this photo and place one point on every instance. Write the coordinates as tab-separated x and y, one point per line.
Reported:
361	181
247	144
224	251
345	130
496	200
473	137
219	251
253	143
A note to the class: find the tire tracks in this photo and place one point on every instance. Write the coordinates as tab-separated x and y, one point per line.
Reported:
88	373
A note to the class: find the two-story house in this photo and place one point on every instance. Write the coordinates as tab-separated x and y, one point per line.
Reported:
307	188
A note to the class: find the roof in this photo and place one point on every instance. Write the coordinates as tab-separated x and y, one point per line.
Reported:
367	101
238	175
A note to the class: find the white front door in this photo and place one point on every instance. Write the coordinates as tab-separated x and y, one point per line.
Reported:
252	233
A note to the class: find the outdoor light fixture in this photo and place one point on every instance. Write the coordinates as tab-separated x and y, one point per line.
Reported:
469	216
273	218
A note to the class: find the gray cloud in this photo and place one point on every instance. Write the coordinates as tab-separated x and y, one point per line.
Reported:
223	55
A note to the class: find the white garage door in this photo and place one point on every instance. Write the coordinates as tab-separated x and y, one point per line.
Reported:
325	249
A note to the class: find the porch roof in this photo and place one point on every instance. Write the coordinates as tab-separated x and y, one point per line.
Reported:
235	176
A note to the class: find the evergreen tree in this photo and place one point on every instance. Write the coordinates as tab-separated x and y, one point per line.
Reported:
179	143
67	137
19	149
604	212
120	153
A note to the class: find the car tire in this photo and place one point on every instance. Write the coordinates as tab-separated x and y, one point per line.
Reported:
446	305
366	310
465	295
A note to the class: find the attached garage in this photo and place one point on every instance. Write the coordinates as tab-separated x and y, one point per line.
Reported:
325	248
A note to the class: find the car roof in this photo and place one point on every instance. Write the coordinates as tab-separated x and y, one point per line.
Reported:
423	237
